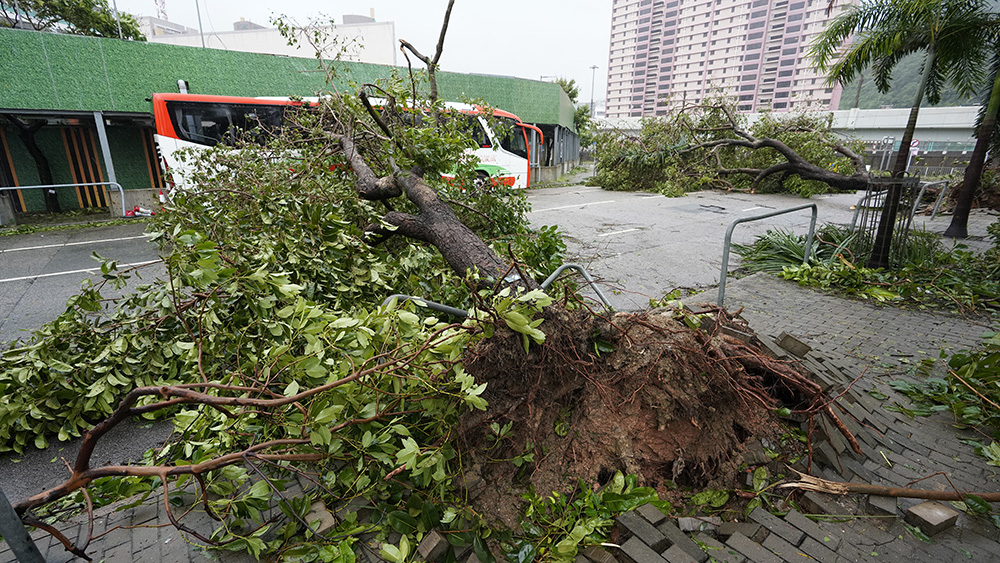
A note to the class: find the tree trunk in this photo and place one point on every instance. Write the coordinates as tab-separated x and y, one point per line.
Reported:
27	135
438	225
959	227
883	236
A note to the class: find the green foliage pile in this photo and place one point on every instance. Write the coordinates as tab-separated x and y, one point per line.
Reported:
272	289
931	275
662	158
970	392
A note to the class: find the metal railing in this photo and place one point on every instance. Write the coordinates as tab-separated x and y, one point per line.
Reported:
860	204
13	532
729	241
586	276
460	313
114	185
421	302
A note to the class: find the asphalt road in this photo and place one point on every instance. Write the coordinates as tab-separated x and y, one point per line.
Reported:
40	271
640	245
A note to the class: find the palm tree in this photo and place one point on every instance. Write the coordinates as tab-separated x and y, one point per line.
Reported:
959	227
952	34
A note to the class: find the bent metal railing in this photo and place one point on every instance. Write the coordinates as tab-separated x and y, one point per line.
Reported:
460	313
729	241
114	185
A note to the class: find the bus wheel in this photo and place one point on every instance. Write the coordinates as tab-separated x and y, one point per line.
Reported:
481	181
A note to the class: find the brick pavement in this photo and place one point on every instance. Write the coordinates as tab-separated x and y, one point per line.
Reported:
848	340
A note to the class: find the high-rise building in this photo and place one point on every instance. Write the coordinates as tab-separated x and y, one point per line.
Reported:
667	53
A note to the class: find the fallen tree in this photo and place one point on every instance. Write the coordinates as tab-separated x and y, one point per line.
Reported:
709	145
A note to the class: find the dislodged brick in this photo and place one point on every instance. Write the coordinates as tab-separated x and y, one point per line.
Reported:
718	552
320	518
752	551
777	526
820	503
433	546
651	513
752	530
812	529
639	552
931	517
677	555
699	523
640	528
878	505
793	345
676	537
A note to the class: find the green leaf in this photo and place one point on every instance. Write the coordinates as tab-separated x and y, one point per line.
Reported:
977	505
402	522
711	497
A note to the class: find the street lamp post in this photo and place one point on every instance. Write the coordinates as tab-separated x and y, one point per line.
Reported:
593	75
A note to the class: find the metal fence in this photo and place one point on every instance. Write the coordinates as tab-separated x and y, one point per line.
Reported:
869	211
114	185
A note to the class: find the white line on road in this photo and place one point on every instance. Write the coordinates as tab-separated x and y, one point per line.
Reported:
752	208
617	232
68	272
574	206
72	243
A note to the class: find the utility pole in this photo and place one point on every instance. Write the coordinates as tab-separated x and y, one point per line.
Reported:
200	30
118	19
593	76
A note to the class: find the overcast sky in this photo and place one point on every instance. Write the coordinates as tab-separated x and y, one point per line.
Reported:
523	38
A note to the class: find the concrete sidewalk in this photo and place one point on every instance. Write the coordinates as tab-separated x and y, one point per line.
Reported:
854	339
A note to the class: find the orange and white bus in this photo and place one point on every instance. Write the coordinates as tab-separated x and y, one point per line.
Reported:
193	121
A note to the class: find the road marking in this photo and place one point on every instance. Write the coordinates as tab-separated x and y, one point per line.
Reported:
617	232
69	272
574	206
71	244
752	208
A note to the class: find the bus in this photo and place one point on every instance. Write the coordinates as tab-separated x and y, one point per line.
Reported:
195	121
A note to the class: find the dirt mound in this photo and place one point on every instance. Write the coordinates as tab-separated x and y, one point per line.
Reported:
643	394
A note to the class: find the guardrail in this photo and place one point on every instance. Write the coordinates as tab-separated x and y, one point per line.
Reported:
729	241
115	185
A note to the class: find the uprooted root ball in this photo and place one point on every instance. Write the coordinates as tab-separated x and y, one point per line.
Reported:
639	393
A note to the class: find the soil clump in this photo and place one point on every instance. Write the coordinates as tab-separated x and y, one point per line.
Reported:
641	393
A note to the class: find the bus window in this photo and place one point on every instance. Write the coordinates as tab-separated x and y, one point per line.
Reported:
514	141
210	123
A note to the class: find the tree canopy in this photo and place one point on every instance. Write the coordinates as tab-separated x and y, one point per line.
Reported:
77	17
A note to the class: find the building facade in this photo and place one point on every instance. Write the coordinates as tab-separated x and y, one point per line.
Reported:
668	53
358	39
